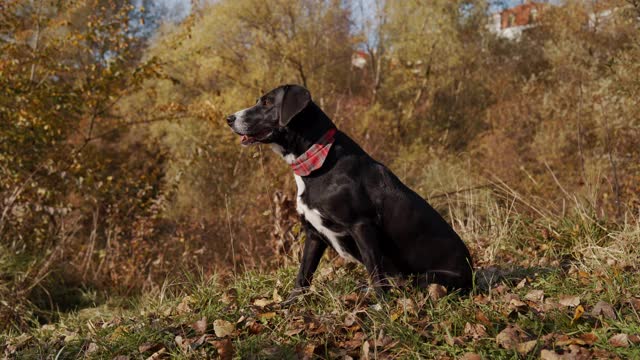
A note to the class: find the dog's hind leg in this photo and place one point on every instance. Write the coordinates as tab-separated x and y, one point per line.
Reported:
368	239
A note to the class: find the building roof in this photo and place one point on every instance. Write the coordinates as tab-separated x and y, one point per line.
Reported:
521	15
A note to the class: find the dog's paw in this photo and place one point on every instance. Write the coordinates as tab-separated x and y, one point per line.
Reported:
293	297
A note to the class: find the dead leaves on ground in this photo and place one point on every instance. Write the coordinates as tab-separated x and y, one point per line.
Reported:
344	334
345	330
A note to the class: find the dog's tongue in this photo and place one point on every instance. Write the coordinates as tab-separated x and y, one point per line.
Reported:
247	140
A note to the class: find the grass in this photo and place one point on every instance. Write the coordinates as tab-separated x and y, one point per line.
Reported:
337	319
574	293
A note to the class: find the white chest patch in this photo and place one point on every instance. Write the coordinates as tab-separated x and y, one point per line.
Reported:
289	158
314	217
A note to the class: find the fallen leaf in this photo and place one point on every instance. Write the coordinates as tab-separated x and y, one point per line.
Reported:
522	283
578	353
200	326
229	297
565	340
481	317
508	338
307	352
569	300
589	338
365	351
578	313
481	299
453	341
146	347
535	296
93	347
262	302
549	355
182	344
603	308
117	333
185	305
526	347
224	348
619	340
266	316
385	341
635	303
350	298
158	354
407	305
436	291
350	319
355	342
518	305
603	354
276	297
316	329
254	327
634	339
470	356
500	289
223	328
294	331
475	331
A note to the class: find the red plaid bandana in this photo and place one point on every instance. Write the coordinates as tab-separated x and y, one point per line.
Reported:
313	158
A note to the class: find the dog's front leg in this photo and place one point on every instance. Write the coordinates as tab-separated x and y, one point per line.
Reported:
368	239
312	252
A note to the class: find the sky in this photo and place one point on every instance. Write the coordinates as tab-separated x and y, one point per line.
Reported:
184	6
178	9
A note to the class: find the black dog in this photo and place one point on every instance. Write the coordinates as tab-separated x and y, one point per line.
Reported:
351	202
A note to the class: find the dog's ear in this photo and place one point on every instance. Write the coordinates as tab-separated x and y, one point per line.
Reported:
294	99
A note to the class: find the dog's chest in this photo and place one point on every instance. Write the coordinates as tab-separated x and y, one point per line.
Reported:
314	217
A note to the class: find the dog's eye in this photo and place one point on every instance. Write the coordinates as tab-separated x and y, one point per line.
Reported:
266	102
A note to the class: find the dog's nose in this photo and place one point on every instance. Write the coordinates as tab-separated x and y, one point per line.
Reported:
231	119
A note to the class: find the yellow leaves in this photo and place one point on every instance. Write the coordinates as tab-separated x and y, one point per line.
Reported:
526	347
223	328
266	316
578	313
262	302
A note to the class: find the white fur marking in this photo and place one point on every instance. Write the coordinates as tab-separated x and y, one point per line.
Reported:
314	217
289	158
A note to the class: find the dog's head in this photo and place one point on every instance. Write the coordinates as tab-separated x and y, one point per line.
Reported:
270	115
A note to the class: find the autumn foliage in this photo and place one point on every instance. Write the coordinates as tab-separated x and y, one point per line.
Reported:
117	171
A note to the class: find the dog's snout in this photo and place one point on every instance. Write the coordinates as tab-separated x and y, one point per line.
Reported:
231	119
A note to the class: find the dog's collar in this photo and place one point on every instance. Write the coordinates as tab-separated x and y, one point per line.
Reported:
314	157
